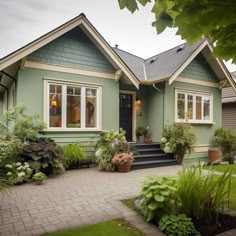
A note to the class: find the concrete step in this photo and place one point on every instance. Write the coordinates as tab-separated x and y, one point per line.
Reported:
151	164
152	157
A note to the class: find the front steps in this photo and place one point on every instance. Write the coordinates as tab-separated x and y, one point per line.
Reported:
148	155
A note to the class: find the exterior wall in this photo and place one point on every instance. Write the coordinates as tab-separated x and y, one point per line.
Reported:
199	69
204	132
229	115
73	49
30	92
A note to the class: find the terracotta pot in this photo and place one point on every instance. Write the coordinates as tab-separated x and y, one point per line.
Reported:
213	154
124	168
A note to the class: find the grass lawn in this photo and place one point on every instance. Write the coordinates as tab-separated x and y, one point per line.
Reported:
222	168
113	227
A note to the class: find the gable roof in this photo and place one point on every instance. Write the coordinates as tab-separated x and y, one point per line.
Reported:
92	34
168	65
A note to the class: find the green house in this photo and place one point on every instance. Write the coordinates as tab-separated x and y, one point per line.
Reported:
80	86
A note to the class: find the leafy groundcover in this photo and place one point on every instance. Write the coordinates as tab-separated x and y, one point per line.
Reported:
205	228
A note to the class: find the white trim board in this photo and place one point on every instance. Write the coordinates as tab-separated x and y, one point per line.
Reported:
70	70
197	82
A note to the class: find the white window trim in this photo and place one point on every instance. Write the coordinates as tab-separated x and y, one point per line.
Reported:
194	94
82	84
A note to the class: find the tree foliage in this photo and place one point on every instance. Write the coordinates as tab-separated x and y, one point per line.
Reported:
196	19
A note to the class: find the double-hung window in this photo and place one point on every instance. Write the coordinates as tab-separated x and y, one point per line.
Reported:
72	106
193	107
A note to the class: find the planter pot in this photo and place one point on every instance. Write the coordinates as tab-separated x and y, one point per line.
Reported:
213	154
124	168
85	163
140	139
40	181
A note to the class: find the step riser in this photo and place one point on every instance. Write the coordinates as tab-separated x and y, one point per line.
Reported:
143	152
144	166
158	158
146	146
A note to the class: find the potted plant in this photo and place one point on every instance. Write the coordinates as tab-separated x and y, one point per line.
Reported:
226	140
39	178
123	161
141	133
178	139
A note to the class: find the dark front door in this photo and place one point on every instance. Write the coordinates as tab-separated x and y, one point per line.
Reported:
126	113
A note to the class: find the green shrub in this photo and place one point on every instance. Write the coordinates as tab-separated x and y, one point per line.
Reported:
44	155
202	195
21	125
110	143
72	154
159	197
10	151
226	139
177	225
142	131
178	139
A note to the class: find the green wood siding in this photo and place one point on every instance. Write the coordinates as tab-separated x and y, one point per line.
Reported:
204	132
199	69
73	49
30	92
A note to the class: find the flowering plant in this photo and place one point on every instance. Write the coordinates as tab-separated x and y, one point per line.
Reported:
18	172
123	158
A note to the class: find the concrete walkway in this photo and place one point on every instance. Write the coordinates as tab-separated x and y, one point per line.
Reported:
76	198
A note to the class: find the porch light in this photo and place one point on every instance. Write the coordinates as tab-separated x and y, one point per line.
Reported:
137	102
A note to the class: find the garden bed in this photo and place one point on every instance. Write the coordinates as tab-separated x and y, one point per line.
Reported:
225	222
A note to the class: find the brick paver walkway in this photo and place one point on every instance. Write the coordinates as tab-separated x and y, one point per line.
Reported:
75	198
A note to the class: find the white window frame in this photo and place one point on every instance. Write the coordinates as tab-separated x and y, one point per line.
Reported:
83	87
194	94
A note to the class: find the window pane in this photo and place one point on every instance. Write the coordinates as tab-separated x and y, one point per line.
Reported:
198	107
55	105
206	108
180	108
190	107
73	115
91	108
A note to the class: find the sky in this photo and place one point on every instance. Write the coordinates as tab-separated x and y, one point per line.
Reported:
22	21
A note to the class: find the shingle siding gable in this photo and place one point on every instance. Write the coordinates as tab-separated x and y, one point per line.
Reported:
199	69
73	49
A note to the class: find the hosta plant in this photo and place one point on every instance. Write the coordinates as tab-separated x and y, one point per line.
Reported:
159	197
110	143
177	225
44	155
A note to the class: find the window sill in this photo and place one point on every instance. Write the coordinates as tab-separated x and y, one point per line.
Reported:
196	122
71	130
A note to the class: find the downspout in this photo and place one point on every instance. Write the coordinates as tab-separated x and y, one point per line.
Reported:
7	93
162	102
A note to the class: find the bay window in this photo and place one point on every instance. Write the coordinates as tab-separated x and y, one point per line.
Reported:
194	107
72	106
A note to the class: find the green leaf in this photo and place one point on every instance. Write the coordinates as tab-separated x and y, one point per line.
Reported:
152	206
143	2
159	198
35	157
44	164
150	216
